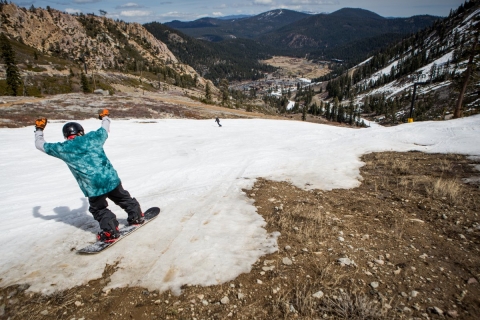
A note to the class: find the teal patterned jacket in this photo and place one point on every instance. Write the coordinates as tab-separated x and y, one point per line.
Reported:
86	159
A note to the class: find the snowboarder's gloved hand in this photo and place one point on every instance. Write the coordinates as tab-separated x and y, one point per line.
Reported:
104	113
41	123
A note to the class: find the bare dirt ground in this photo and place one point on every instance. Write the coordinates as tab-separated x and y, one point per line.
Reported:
300	67
22	111
402	245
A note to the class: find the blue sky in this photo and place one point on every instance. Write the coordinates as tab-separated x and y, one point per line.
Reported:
143	11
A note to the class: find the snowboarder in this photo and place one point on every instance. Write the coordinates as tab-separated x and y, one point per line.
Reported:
95	175
218	121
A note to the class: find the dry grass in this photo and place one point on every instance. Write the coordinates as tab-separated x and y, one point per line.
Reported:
399	167
300	300
352	306
443	188
445	165
306	223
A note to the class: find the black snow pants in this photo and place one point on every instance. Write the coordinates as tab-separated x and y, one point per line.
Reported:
105	217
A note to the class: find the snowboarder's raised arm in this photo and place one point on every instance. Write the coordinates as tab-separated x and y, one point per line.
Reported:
40	124
105	119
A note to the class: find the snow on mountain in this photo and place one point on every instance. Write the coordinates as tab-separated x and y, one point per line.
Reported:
424	73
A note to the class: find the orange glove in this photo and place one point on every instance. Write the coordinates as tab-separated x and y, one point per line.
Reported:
41	123
104	113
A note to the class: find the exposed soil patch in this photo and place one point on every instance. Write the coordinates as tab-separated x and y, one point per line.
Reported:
22	111
403	245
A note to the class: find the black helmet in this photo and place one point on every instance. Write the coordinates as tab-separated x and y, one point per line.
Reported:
72	129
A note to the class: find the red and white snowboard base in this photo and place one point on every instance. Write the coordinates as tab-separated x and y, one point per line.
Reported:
99	246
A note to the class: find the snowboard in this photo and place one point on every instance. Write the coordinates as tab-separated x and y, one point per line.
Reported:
99	246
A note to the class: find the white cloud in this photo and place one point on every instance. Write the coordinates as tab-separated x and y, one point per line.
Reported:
313	2
129	5
135	13
172	14
175	15
217	14
263	2
72	11
85	1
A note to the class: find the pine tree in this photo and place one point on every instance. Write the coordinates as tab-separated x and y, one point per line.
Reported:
85	84
224	92
314	109
351	111
12	72
208	92
341	114
335	110
394	110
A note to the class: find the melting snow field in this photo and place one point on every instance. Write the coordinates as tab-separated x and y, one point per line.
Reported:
208	231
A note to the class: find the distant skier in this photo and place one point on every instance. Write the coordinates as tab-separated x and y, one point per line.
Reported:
218	121
86	159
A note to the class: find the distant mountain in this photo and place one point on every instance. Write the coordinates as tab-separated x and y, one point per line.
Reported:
348	33
239	16
343	27
249	28
200	23
355	13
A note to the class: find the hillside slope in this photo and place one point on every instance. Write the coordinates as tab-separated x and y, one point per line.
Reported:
101	41
433	63
47	40
234	59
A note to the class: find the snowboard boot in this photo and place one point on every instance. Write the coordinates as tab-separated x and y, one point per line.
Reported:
108	237
111	234
137	220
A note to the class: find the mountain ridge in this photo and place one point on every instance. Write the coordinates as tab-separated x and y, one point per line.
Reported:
45	29
339	28
342	34
293	31
92	45
249	27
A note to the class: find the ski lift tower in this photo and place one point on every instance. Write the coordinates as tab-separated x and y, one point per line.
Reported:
415	84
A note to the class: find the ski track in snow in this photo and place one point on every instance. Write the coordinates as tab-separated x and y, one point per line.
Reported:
208	231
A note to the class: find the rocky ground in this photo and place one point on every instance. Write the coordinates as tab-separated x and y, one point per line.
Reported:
402	245
129	103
